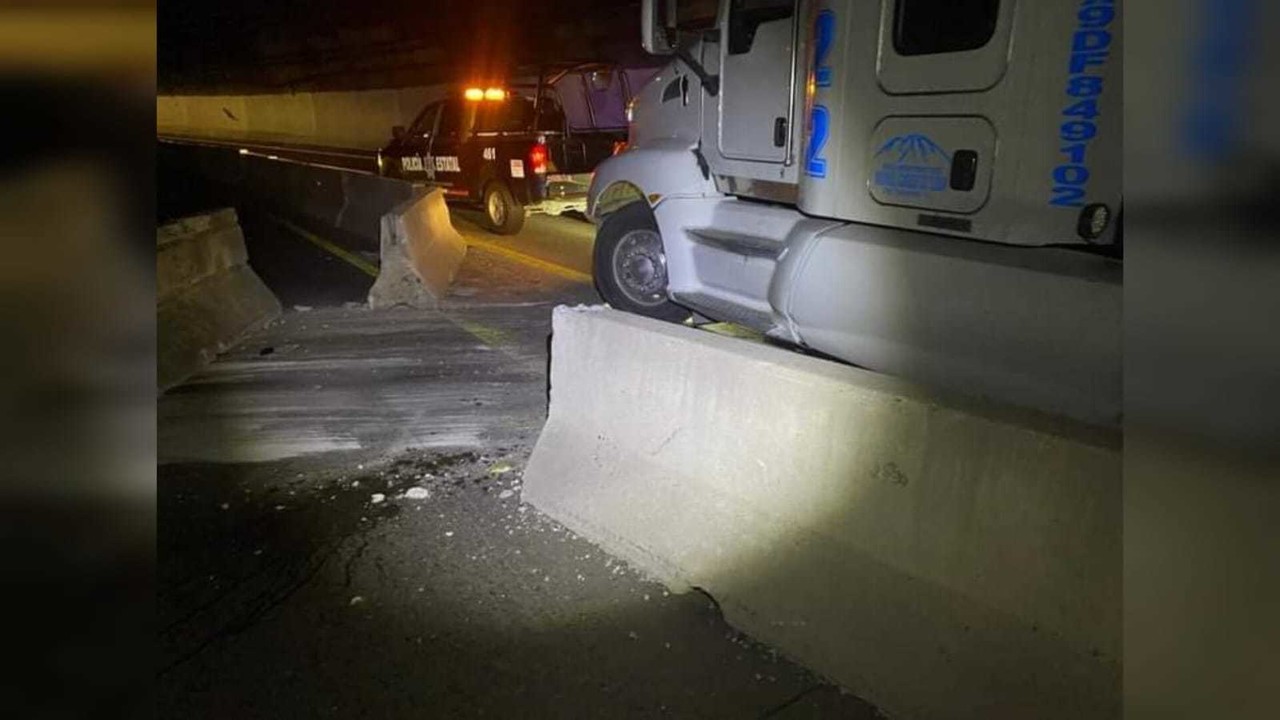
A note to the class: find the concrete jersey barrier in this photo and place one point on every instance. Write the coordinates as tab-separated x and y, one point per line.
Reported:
351	202
207	296
420	254
937	556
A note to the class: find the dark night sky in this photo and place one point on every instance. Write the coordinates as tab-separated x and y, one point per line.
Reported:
273	44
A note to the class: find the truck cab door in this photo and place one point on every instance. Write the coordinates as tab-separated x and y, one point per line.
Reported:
415	144
445	168
756	71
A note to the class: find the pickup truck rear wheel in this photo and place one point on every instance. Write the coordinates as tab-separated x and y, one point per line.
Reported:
630	266
503	213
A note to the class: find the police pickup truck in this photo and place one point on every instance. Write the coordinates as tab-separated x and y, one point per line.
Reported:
516	147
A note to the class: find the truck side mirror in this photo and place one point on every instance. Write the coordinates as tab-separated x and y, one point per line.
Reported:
397	132
655	17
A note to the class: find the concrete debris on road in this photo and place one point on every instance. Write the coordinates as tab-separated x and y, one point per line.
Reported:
514	617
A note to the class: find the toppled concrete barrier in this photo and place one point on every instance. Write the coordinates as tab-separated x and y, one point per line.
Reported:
421	253
937	556
207	296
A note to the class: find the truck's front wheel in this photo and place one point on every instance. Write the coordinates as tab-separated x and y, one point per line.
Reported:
503	213
630	266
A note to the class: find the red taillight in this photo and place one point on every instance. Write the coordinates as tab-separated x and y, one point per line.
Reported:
538	158
619	146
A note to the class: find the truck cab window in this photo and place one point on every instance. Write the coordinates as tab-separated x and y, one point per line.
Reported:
691	16
747	15
550	116
449	120
425	121
695	15
928	27
515	114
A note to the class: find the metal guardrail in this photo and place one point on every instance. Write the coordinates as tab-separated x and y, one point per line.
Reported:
353	160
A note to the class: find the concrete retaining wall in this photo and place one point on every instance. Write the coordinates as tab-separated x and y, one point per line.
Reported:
420	254
353	119
941	558
207	296
357	119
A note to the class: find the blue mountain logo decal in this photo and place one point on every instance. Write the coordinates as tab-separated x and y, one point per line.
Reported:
911	165
914	147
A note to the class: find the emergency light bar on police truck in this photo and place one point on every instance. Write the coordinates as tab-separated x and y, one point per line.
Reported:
929	188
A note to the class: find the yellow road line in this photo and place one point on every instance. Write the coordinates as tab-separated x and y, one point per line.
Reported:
491	336
356	261
372	271
495	338
562	271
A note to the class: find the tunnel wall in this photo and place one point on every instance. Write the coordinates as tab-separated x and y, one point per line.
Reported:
352	119
358	119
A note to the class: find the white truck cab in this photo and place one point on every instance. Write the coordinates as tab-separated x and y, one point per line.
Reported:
925	188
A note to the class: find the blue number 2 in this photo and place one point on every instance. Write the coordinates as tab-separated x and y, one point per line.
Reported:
824	30
814	164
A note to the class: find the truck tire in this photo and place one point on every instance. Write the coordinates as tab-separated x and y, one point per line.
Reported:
503	214
630	266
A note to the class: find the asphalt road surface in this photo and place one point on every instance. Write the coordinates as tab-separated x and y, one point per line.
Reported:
563	241
341	532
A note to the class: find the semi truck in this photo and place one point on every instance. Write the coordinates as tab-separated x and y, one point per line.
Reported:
516	146
925	188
